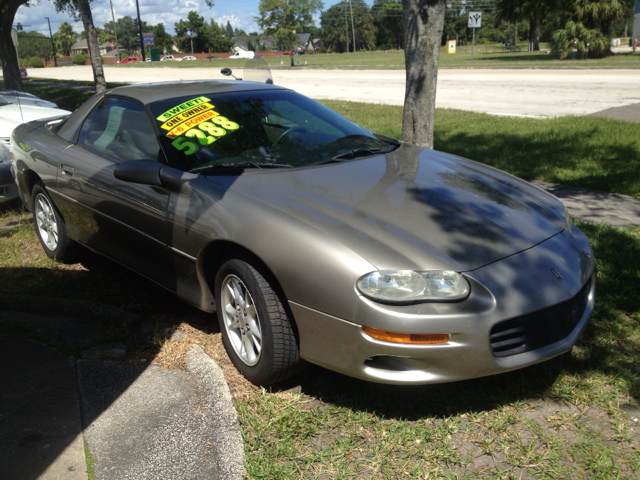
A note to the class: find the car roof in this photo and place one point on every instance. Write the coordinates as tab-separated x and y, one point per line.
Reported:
154	92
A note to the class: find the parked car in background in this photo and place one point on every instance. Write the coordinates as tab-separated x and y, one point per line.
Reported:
299	52
167	57
11	116
25	113
311	238
286	54
8	187
128	60
244	55
211	57
189	57
147	59
23	73
24	98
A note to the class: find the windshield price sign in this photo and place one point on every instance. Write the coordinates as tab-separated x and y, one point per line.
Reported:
475	19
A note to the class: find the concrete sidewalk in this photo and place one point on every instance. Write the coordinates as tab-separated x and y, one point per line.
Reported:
137	421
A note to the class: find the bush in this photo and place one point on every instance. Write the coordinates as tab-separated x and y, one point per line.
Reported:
24	62
36	62
79	59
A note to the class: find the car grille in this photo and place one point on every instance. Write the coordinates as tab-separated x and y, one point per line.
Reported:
539	329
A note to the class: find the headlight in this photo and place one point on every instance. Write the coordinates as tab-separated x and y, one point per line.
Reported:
408	286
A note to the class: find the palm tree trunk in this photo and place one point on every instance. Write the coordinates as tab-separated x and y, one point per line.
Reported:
92	43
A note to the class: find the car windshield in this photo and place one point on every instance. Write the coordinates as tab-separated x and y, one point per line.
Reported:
258	128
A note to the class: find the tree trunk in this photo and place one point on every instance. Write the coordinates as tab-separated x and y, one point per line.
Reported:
534	29
423	26
92	43
10	67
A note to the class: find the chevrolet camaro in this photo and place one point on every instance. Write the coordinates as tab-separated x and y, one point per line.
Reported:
313	239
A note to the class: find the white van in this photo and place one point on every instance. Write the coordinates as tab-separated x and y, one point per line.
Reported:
248	54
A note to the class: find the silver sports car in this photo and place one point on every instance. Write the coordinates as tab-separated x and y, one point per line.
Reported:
312	238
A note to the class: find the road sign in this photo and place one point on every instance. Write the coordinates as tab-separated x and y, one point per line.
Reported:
147	39
452	46
113	44
475	19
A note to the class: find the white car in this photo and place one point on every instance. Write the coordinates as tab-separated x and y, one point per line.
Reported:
189	57
24	98
11	116
248	54
8	187
167	57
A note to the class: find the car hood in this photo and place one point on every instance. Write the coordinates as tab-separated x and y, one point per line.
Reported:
28	113
412	208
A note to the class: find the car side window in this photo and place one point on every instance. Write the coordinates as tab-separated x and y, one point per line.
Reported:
120	129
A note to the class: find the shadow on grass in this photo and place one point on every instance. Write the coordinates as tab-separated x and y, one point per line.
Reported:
601	154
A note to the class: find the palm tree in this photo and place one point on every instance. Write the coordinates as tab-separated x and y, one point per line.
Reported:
65	38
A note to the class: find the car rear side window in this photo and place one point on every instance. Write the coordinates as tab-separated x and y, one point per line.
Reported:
120	129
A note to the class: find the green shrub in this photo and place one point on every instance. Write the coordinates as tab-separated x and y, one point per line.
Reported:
24	62
79	59
36	62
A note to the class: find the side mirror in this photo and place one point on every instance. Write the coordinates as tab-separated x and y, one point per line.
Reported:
226	71
147	173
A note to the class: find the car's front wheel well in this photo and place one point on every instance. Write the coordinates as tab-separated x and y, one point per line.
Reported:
29	179
221	251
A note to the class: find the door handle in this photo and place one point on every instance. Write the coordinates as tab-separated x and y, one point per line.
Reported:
66	170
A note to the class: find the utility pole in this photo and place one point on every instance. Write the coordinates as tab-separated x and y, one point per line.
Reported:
346	24
353	31
53	47
140	30
115	32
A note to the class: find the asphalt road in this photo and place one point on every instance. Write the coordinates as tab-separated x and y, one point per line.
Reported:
516	92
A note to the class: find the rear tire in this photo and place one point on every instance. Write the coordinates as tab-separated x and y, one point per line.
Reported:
256	330
50	228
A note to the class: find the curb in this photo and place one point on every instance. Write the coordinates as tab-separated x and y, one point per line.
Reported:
227	443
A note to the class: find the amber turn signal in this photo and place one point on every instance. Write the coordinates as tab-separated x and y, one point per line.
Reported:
407	338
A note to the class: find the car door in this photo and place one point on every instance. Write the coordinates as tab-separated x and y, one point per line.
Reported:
122	220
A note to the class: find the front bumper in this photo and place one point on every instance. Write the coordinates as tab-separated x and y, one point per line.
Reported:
502	291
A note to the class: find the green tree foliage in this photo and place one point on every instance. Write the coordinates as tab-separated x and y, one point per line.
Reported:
79	59
388	23
36	62
229	30
191	33
281	18
533	11
337	19
34	44
161	38
585	25
201	35
126	32
64	38
10	68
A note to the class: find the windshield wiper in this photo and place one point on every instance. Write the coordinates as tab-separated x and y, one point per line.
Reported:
239	165
353	154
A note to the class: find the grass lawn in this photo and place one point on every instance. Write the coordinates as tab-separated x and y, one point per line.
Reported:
590	152
491	56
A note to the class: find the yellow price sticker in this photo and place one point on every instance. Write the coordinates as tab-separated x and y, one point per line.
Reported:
183	117
178	109
189	124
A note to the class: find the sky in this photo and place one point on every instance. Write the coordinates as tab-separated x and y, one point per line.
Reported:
239	13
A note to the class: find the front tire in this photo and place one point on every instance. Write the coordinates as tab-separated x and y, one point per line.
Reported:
50	228
256	330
